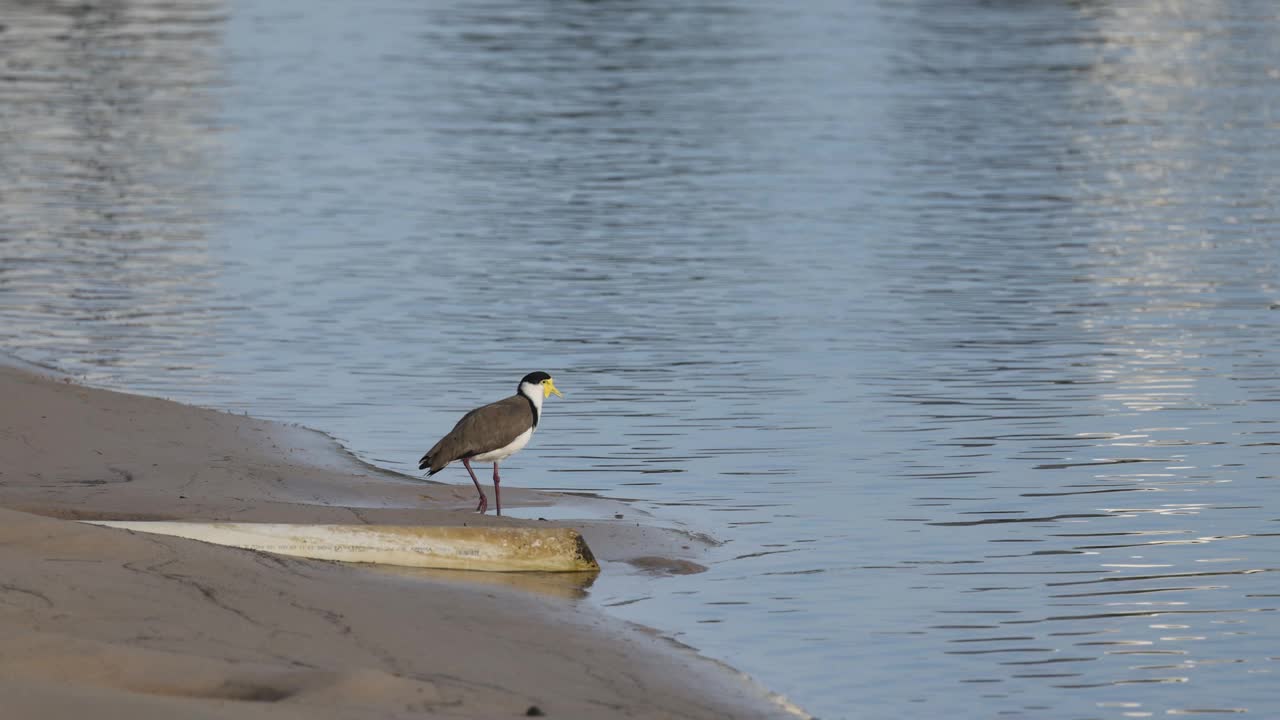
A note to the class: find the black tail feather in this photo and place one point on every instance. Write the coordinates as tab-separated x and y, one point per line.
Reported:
425	463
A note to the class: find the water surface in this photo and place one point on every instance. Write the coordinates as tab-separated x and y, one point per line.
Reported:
957	322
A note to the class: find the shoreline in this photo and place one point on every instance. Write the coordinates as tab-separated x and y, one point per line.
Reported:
150	625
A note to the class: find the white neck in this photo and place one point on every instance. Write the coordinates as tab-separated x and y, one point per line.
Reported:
534	393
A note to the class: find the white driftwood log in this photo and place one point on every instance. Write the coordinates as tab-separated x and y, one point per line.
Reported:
497	549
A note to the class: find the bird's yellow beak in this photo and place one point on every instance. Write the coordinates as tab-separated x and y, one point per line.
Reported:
548	387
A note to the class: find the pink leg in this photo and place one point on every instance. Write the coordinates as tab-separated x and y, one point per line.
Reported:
497	491
484	501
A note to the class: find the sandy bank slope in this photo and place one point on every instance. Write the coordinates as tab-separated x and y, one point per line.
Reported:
106	622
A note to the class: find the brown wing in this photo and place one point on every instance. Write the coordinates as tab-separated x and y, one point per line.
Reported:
486	428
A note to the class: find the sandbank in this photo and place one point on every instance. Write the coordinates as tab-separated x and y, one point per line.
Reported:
121	624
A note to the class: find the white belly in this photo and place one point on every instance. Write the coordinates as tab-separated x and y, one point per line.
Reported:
503	453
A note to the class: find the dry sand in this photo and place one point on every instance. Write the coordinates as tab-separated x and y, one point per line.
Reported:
116	624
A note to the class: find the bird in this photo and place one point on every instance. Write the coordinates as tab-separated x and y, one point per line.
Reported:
493	433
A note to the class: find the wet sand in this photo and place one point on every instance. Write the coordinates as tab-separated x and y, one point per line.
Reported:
131	625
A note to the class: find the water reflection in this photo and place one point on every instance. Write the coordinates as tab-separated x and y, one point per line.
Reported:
1085	295
107	181
569	586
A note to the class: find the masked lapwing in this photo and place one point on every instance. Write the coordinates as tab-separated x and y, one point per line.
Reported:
493	433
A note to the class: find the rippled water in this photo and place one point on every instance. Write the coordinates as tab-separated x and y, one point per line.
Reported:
957	321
